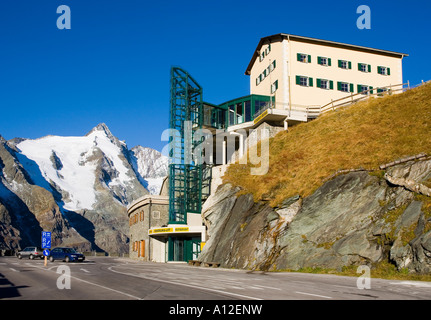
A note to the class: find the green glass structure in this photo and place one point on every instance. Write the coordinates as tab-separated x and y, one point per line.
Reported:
189	176
186	173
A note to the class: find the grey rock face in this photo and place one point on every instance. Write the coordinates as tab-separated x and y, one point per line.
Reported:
353	219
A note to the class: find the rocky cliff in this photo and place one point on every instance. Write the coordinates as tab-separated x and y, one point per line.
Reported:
355	218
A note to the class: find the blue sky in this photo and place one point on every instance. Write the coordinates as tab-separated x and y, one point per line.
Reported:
113	65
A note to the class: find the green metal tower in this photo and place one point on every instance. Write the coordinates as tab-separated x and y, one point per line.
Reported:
186	175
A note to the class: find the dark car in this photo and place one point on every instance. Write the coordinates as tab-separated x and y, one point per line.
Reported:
31	253
65	254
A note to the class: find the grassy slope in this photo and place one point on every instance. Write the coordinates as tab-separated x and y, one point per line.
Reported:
364	135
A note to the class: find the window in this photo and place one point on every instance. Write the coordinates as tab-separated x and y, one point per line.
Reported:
366	90
325	84
239	113
304	81
323	61
344	64
231	115
345	87
265	73
302	57
247	110
264	53
385	71
381	91
272	66
268	49
259	105
364	67
274	86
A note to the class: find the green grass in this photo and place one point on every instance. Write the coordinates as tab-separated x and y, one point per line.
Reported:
383	270
365	135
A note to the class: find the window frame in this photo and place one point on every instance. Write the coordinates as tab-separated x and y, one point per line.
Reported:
274	86
348	85
300	56
324	61
364	67
329	84
304	81
384	71
347	62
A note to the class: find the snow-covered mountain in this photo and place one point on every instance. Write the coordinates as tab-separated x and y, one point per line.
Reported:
152	167
91	180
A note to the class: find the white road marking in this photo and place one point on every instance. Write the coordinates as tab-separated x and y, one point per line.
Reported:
314	295
413	283
186	285
94	284
273	288
85	270
14	270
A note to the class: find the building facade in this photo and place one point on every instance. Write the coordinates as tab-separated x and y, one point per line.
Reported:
302	72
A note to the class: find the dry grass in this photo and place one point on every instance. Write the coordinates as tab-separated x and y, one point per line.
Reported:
364	135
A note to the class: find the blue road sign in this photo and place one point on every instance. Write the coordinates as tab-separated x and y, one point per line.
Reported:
46	252
46	240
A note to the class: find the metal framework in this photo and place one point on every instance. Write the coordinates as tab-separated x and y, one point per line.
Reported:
187	178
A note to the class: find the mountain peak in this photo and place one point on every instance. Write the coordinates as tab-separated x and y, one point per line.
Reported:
101	127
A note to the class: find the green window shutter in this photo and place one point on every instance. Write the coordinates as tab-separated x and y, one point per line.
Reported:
309	59
298	79
359	66
350	64
339	63
298	57
351	87
389	71
331	85
369	68
359	88
310	82
319	60
338	85
371	90
318	82
276	84
329	62
379	69
273	63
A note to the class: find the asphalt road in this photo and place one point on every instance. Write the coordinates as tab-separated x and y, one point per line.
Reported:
105	278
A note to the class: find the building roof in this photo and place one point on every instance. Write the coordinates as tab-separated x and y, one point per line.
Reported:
282	36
